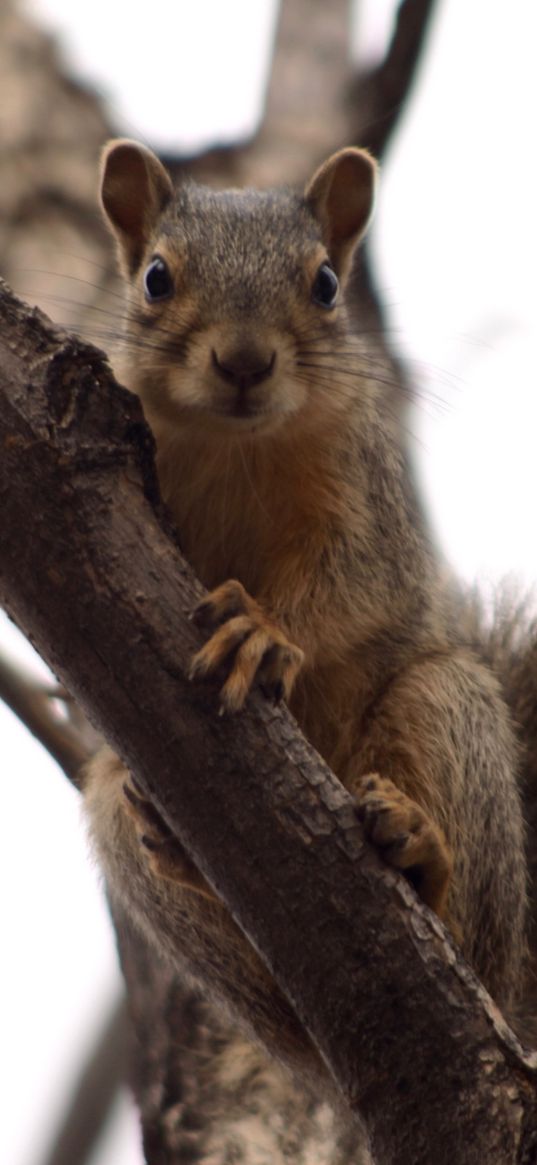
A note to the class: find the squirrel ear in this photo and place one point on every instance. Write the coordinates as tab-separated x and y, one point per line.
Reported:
135	188
341	196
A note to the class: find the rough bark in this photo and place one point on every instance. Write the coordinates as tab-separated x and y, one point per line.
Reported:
413	1041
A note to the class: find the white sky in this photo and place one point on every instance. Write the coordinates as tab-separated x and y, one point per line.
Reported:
191	74
457	245
456	248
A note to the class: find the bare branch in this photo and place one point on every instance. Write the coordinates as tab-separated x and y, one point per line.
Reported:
63	737
380	98
94	1092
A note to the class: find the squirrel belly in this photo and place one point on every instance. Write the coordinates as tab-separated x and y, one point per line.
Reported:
278	464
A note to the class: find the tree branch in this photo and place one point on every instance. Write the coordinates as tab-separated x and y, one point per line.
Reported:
105	594
94	1092
380	97
68	739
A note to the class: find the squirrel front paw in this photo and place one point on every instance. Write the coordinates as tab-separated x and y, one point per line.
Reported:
246	644
406	836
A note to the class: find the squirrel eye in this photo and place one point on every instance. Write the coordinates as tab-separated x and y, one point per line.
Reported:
158	283
325	286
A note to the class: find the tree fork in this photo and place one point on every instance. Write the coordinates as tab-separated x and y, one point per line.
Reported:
97	583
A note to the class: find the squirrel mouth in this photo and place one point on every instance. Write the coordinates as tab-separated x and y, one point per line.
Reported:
243	414
243	406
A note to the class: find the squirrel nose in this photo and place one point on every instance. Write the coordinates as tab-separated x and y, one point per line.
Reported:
244	367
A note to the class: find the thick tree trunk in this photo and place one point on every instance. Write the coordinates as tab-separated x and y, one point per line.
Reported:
414	1043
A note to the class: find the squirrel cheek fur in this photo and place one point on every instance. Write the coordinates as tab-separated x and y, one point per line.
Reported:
291	497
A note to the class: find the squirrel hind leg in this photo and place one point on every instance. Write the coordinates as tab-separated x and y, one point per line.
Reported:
407	838
162	851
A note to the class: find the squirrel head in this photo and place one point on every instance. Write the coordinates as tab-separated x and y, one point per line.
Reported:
238	293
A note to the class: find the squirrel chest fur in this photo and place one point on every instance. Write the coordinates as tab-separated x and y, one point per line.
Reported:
291	501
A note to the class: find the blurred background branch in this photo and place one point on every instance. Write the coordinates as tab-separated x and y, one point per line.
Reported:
66	734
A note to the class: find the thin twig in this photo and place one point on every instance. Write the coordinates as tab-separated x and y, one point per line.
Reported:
67	740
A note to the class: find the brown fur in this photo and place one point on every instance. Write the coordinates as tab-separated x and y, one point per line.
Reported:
276	461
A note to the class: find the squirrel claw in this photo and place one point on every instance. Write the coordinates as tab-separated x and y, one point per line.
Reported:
246	644
406	836
162	851
222	603
150	826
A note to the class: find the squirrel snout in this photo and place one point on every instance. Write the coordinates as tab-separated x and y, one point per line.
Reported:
243	367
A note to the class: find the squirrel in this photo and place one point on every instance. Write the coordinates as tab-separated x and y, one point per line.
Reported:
292	502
